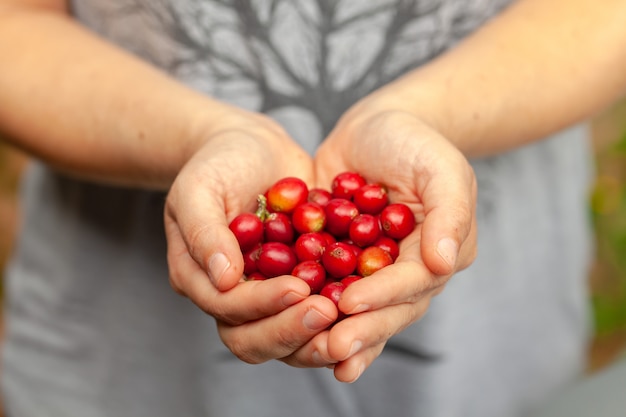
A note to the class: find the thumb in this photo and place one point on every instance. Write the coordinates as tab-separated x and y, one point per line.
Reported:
203	228
449	228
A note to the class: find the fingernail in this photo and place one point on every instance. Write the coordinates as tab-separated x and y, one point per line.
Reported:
317	358
314	320
321	361
354	348
292	298
359	373
359	309
218	264
448	249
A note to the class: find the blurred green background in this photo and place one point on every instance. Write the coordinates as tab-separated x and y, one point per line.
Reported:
607	206
607	203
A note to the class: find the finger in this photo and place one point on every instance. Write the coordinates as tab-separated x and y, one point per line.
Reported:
220	183
367	330
245	302
280	335
469	248
203	228
405	281
351	369
313	354
449	204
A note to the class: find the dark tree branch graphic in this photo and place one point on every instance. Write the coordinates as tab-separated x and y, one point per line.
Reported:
254	55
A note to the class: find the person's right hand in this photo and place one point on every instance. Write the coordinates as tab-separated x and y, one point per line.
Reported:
237	161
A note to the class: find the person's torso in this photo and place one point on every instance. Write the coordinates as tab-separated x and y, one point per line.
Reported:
95	330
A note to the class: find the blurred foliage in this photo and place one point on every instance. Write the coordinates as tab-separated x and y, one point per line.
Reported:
608	208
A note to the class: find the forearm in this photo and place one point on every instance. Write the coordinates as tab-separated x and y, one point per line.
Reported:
537	68
91	109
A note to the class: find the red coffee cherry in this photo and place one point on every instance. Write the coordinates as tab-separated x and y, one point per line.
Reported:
248	230
276	259
339	259
345	184
287	194
319	196
339	215
372	259
278	228
311	272
308	217
310	246
364	230
397	221
371	198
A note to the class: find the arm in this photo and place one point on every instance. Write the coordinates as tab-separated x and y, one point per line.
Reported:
94	110
536	68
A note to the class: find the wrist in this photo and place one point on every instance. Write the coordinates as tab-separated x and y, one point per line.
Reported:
217	119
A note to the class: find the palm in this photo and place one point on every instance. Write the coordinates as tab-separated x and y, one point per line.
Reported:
419	167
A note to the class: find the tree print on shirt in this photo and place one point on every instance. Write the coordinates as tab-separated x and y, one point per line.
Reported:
319	55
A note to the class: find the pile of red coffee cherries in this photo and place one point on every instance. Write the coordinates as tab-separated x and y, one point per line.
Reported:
329	239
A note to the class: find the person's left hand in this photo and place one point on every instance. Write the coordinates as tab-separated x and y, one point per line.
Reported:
425	171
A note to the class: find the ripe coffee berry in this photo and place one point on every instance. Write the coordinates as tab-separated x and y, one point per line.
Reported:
389	245
255	276
371	198
397	221
350	279
311	272
308	217
248	229
339	214
328	238
371	260
345	185
249	260
364	230
275	259
319	196
339	259
278	228
310	246
333	290
287	194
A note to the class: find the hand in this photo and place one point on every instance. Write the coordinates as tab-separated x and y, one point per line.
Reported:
425	171
257	320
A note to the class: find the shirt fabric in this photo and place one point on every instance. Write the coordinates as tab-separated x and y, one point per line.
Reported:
93	328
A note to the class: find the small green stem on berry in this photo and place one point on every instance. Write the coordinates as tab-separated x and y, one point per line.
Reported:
261	211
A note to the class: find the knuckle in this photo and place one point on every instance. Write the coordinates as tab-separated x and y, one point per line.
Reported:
195	238
469	253
217	311
439	289
463	214
244	352
286	342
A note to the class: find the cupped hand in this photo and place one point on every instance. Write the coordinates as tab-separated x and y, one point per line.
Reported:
257	320
276	319
425	171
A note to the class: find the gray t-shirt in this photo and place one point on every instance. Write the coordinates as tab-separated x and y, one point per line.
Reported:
93	328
